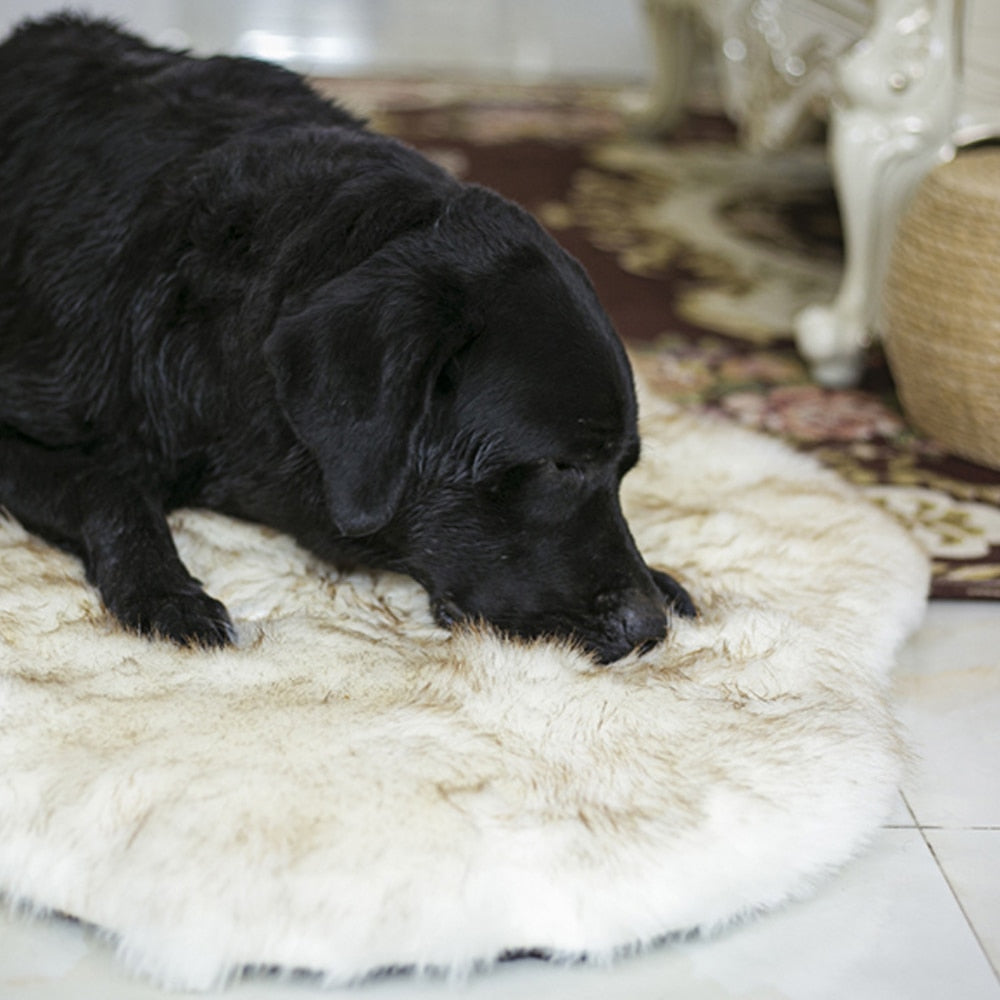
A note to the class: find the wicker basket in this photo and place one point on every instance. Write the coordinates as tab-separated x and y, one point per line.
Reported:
942	306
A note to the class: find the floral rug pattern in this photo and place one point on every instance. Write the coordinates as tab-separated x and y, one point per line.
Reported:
702	254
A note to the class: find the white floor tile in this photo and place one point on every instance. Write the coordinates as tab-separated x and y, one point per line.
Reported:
31	950
886	928
57	960
949	691
970	860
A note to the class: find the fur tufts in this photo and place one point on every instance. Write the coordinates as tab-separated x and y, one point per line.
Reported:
353	789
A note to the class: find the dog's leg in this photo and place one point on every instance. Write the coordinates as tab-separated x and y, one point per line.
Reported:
678	599
121	535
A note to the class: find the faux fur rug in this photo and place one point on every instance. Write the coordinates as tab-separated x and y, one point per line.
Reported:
353	788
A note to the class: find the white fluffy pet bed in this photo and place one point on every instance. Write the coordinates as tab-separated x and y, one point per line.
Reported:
353	788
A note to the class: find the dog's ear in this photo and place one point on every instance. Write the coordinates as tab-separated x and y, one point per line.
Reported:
354	365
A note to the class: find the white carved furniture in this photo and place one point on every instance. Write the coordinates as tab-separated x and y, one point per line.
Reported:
906	82
773	60
925	80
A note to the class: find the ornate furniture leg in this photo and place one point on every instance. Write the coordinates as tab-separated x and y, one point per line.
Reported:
891	122
673	28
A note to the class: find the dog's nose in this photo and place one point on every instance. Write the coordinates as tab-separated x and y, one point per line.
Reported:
643	622
634	621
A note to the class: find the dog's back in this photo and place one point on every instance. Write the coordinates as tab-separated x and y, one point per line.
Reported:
53	69
155	204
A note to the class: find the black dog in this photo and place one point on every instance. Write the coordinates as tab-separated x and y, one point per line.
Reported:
217	289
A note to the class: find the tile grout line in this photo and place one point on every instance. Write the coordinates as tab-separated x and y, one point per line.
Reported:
957	898
954	895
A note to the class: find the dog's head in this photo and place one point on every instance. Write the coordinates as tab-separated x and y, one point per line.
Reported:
472	413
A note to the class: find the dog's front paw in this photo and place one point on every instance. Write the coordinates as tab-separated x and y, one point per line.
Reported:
187	616
677	597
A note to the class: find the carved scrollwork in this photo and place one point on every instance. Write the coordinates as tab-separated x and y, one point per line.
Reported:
774	59
893	119
791	51
901	63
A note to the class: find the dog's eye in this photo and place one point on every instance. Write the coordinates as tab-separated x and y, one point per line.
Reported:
544	471
562	474
568	469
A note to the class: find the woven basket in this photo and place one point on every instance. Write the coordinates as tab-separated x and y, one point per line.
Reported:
942	306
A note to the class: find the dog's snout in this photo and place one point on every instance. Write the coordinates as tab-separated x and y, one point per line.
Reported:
633	620
644	622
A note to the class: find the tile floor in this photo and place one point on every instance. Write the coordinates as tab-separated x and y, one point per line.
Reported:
520	39
916	917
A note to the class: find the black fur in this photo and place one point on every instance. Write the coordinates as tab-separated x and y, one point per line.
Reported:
217	289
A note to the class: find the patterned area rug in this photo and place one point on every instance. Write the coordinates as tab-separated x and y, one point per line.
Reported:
702	254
